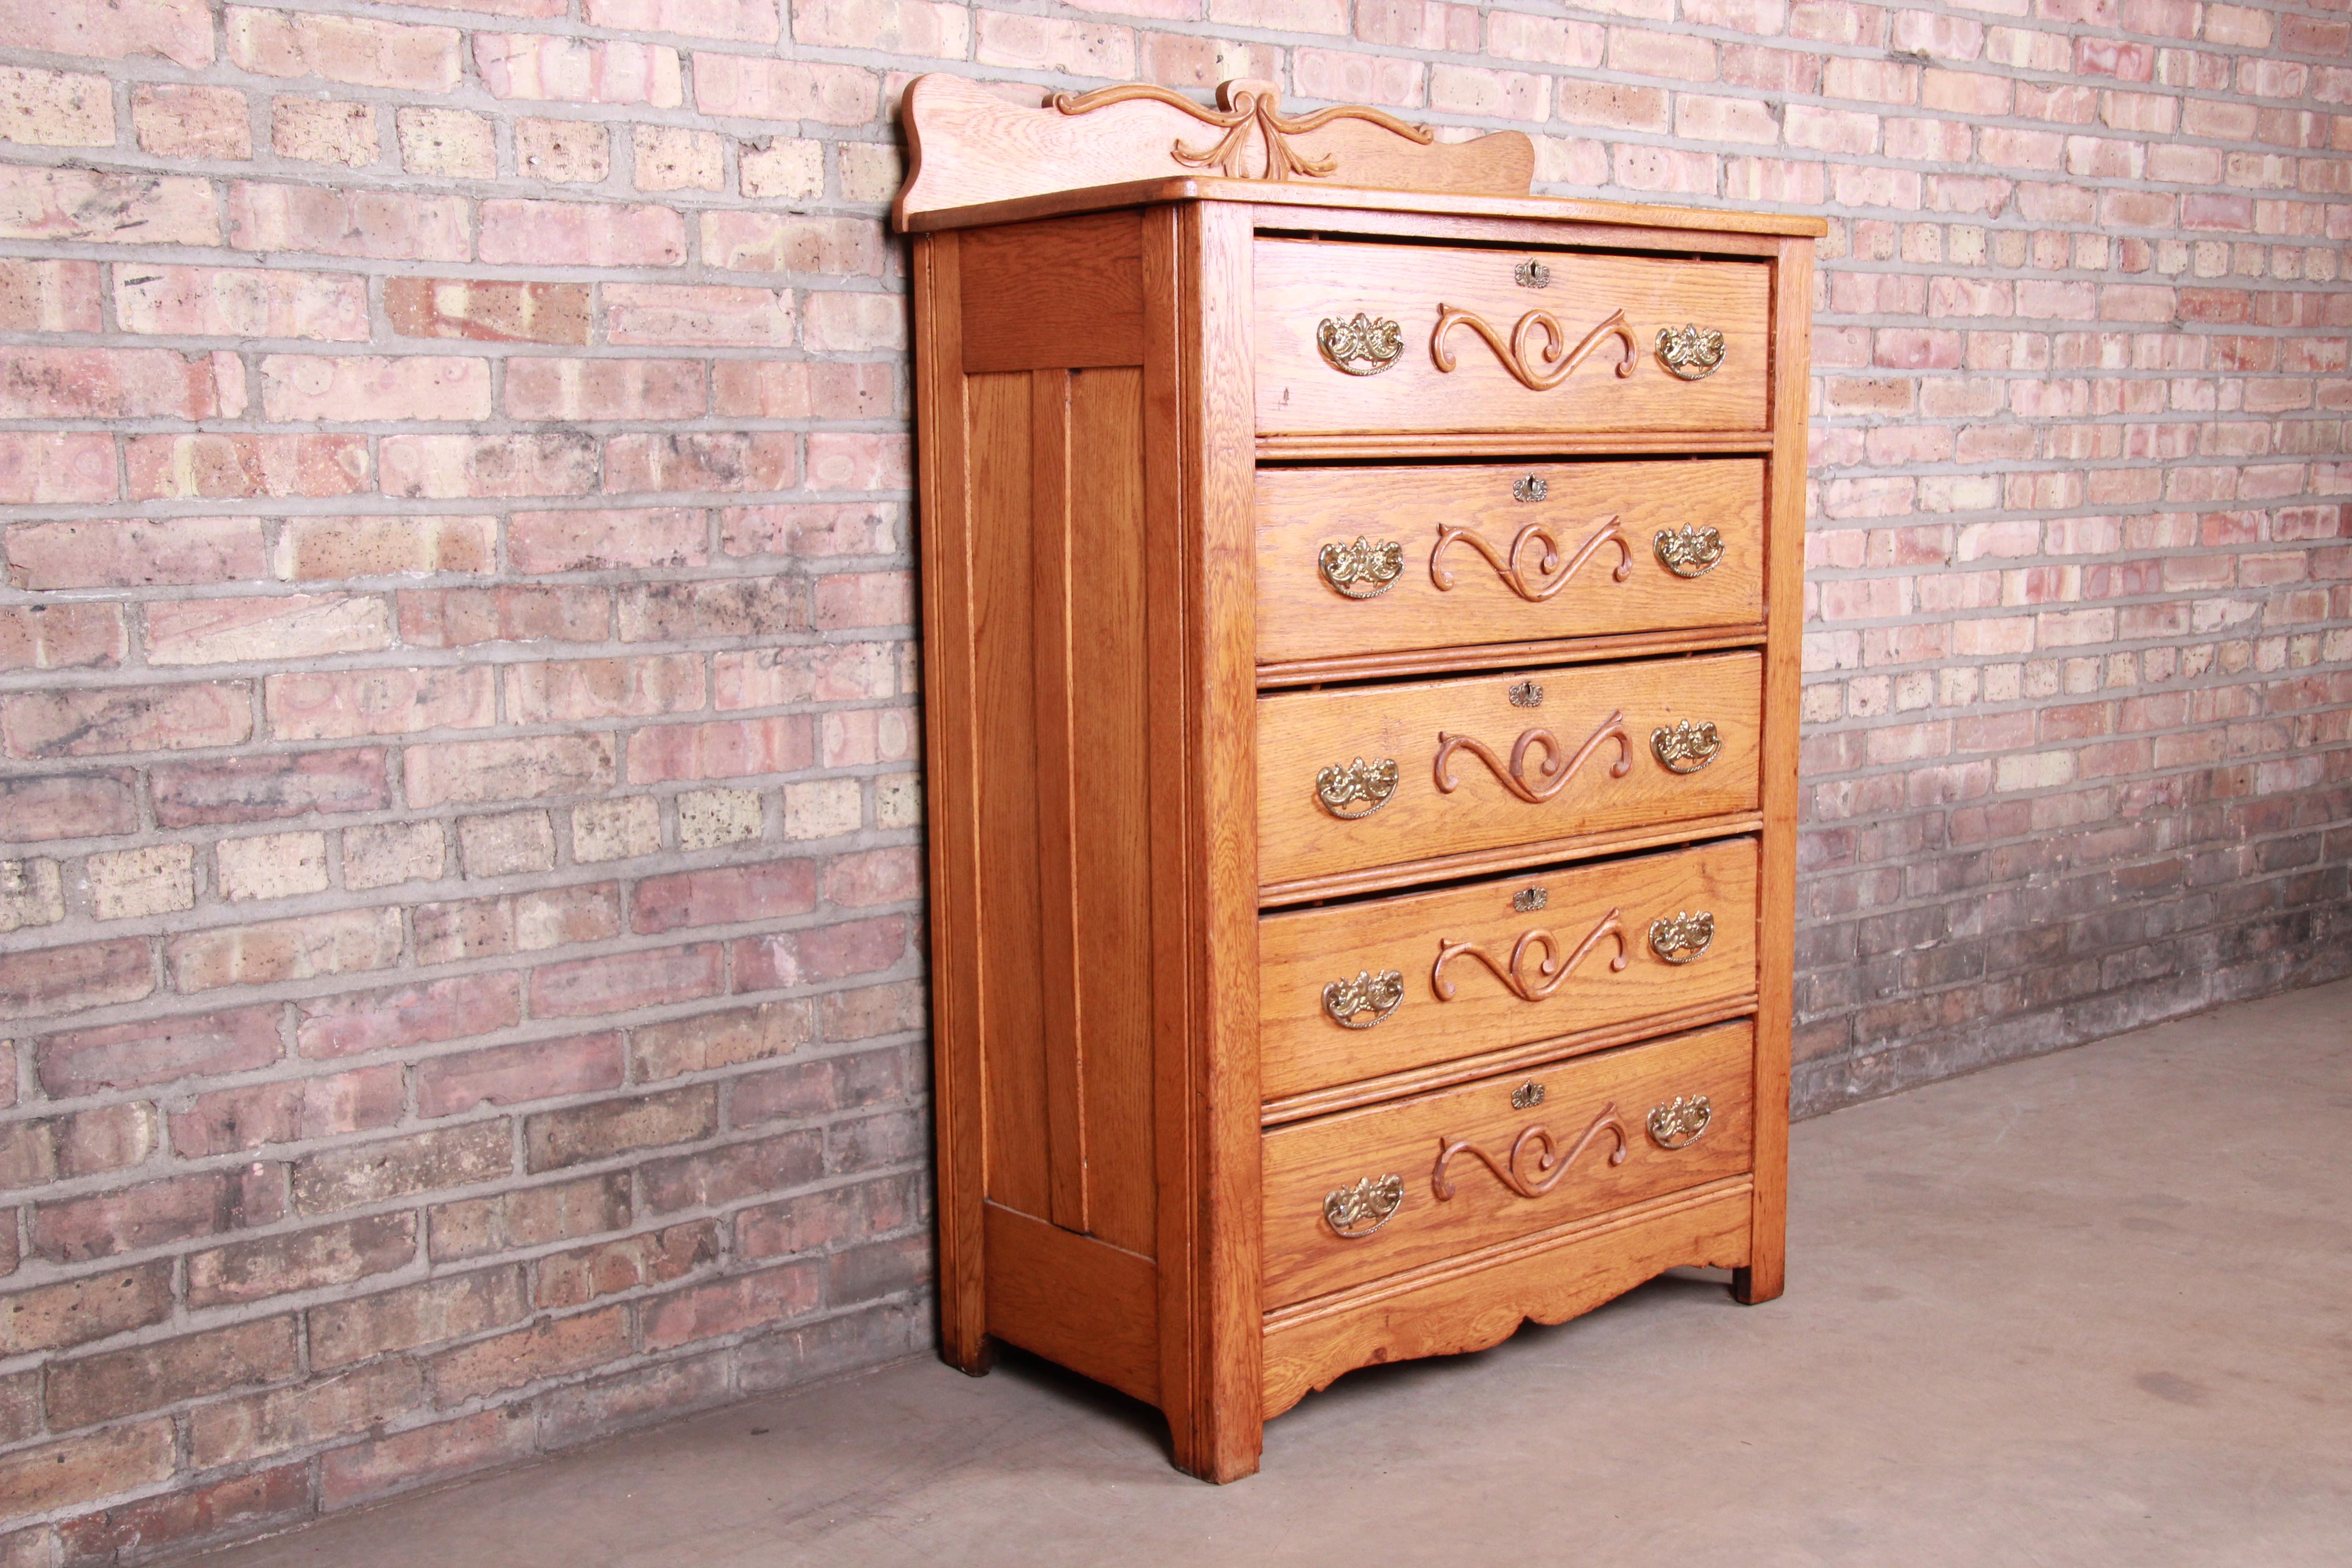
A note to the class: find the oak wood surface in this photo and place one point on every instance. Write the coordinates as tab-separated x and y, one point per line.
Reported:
1073	1299
1458	1204
1471	1302
1572	985
1583	560
1505	858
971	146
1408	445
1059	295
951	747
1464	658
1621	385
1302	733
1309	200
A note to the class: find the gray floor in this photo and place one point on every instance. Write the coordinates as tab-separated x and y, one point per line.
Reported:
2091	1309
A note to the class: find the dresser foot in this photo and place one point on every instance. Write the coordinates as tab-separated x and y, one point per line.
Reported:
1753	1288
978	1362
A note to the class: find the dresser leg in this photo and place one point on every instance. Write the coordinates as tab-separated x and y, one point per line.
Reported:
1220	1462
1754	1287
978	1362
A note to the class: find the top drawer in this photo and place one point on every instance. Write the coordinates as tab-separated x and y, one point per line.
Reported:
1506	340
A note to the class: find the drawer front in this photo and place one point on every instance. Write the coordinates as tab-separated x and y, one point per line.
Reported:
1356	561
1487	762
1361	990
1467	1167
1453	341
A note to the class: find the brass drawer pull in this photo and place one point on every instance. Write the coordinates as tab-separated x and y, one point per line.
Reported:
1687	552
1687	747
1379	995
1362	570
1361	347
1550	1165
1354	1213
1678	1123
1680	938
1555	772
1531	275
1691	353
1527	1096
1538	367
1340	787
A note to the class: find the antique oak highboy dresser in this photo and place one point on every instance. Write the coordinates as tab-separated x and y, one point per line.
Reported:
1360	613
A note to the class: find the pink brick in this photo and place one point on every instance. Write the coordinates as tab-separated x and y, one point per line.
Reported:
812	529
117	209
180	31
619	983
416	386
662	313
230	1120
62	636
912	26
565	690
865	599
475	771
581	233
266	788
743	86
173	120
462	618
135	1056
342	704
109	383
718	461
241	302
572	389
342	49
42	981
56	467
229	467
725	895
579	71
603	540
732	1305
384	225
229	631
358	1022
95	721
730	748
111	553
517	1074
467	465
792	389
785	242
750	21
48	296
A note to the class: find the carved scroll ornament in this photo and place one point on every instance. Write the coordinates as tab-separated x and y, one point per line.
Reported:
1550	1163
1556	768
1552	574
1550	969
1540	366
1247	105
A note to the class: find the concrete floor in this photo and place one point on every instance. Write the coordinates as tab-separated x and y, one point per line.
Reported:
2091	1309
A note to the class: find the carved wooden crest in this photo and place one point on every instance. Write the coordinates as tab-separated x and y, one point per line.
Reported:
971	146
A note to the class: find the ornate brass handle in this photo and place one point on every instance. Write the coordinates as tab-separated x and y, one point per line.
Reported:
1687	747
1362	570
1354	1213
1679	937
1678	1123
1527	1096
1687	552
1339	787
1379	994
1364	346
1551	1162
1531	275
1529	488
1691	353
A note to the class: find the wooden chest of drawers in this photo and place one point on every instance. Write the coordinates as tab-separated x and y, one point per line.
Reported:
1360	660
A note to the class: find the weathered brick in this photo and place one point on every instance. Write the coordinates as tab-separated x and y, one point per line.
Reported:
70	1471
100	721
135	1056
266	788
732	1305
488	311
177	120
712	1178
230	1431
397	1167
105	1223
655	1258
725	895
531	1216
239	1505
475	770
48	980
385	1465
555	1139
518	1074
301	1261
449	1307
89	1389
226	1121
90	1307
548	1348
340	943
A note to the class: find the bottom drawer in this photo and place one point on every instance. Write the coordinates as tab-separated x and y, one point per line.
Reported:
1362	1194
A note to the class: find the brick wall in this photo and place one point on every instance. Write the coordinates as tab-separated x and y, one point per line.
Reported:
459	937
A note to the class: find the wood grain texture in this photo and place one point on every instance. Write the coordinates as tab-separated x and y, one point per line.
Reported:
971	147
1302	283
1473	1302
1775	941
1305	1161
1306	202
1407	446
1061	295
951	746
1464	658
1300	734
1302	1049
1597	524
1075	1299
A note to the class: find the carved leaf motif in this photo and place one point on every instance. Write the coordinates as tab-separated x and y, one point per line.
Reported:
1246	105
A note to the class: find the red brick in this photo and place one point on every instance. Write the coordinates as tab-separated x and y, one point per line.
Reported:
135	1056
517	923
725	895
877	1010
726	749
517	1074
269	788
819	954
229	1121
571	389
98	721
532	1217
713	1178
384	225
352	703
475	770
819	1221
213	1511
625	981
62	636
581	233
874	876
557	1139
398	1167
64	979
548	1348
727	1038
106	383
49	468
230	1431
75	1230
90	1389
320	547
70	1471
826	1086
180	31
604	541
301	1261
753	607
657	1258
92	1307
732	1305
386	1465
848	599
463	618
487	310
131	552
449	1307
